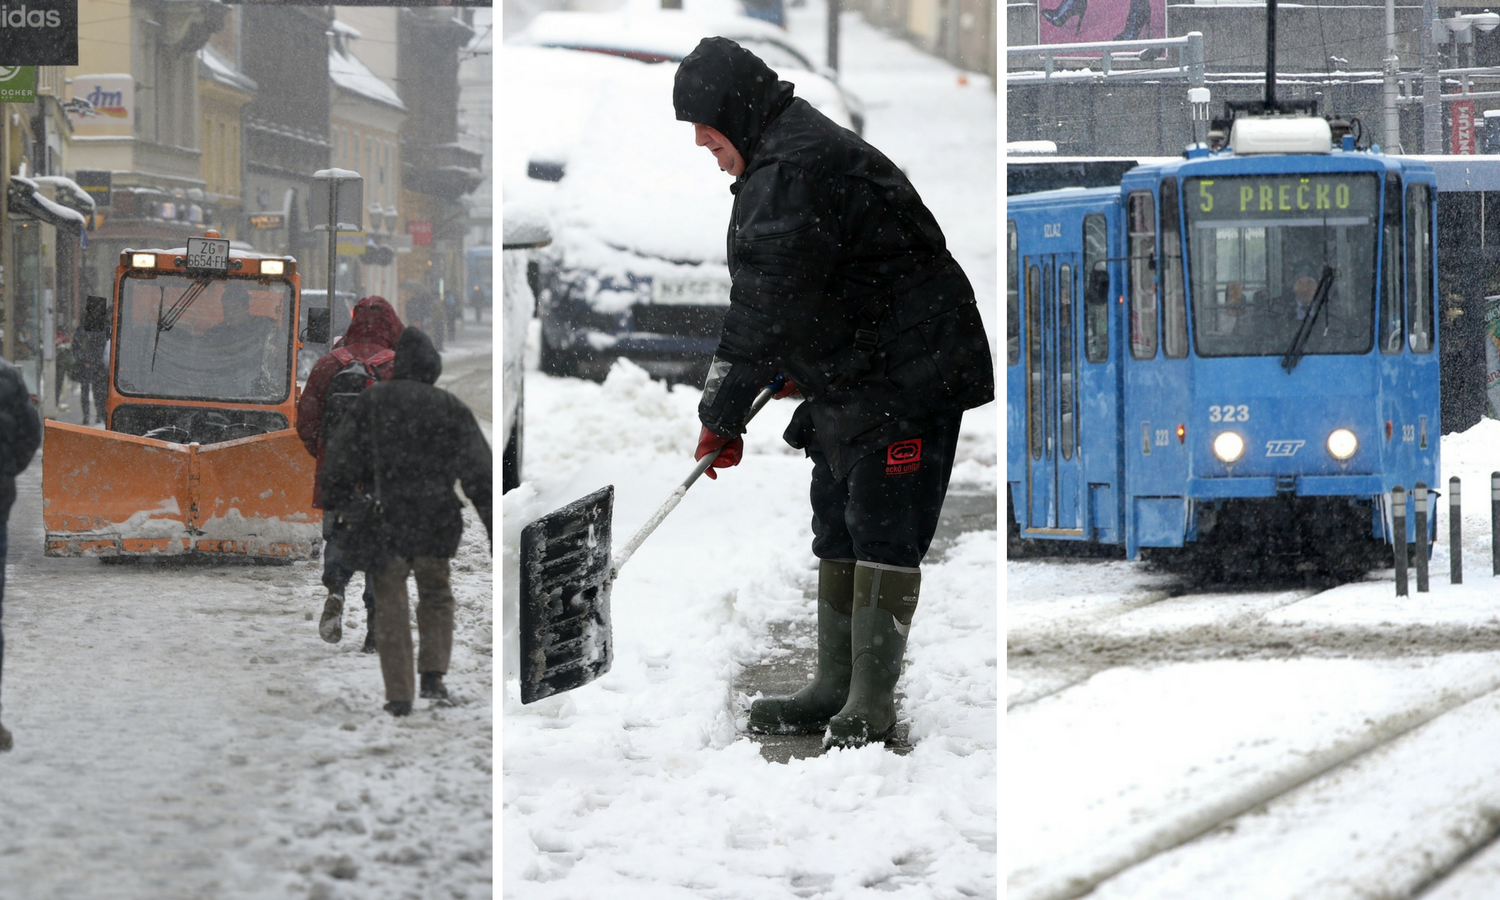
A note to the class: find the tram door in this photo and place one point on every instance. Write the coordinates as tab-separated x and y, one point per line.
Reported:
1054	464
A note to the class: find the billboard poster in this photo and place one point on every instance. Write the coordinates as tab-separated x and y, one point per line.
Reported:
1084	21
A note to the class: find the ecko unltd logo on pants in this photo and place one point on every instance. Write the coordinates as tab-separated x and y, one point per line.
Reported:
39	32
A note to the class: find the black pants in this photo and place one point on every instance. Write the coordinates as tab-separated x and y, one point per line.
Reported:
7	497
100	389
887	509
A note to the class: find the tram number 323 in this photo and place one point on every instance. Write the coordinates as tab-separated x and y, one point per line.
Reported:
1230	413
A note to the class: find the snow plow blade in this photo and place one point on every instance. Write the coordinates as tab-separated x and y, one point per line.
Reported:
110	494
565	581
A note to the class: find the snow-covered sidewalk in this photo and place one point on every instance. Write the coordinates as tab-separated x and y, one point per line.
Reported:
642	784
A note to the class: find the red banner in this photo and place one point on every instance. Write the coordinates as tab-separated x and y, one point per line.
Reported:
1463	126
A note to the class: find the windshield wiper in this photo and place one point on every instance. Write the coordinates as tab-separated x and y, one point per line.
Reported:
1304	330
166	319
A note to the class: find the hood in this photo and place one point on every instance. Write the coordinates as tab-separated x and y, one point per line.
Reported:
416	358
374	321
728	88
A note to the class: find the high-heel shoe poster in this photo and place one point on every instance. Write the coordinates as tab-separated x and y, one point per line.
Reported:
1079	21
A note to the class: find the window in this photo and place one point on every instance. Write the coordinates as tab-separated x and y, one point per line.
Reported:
1392	312
1035	400
1012	298
1095	289
1141	212
1174	303
1419	265
1065	387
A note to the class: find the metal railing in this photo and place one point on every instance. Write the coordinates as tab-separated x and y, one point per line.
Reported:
1189	65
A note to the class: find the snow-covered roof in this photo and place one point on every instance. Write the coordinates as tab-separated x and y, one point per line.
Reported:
219	69
346	29
348	73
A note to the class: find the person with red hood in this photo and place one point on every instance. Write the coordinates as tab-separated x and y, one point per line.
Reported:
373	330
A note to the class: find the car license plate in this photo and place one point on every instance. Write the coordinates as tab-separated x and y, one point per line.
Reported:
690	291
208	253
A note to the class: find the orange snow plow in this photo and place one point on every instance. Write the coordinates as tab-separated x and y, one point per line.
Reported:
199	456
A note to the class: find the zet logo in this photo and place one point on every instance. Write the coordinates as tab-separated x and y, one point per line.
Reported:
1283	448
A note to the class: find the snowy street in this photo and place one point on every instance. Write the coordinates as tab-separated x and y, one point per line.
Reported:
182	731
644	784
1271	743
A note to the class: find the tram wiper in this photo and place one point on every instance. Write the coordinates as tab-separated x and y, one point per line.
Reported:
1304	330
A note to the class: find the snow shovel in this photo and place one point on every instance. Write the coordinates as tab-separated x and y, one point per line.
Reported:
566	574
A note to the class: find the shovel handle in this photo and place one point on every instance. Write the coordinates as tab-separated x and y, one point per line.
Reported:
677	494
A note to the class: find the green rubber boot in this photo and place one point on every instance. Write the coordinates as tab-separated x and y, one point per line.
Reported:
884	598
808	710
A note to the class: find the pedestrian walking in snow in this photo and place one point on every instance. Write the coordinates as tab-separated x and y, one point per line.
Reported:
407	441
91	369
20	435
371	339
842	283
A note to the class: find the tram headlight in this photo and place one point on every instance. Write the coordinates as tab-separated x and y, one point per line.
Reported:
1228	446
143	260
1342	443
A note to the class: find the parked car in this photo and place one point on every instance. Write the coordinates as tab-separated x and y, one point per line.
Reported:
524	233
637	265
666	35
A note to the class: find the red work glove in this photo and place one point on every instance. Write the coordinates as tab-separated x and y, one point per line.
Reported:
730	450
787	390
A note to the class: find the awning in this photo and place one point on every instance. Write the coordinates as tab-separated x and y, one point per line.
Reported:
23	197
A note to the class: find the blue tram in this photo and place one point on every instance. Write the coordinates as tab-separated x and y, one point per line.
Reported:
1232	352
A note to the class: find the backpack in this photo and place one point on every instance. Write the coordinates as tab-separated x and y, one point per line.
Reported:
354	375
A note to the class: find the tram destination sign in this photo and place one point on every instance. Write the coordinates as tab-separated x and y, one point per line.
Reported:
1313	196
208	253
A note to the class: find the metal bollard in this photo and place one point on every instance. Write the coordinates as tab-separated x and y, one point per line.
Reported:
1398	527
1455	535
1419	507
1495	521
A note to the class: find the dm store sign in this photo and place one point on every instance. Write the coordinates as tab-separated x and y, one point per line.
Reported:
111	98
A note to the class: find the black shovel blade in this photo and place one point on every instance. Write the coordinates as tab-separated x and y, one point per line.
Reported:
566	640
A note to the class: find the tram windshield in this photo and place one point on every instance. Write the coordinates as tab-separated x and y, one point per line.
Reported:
1257	246
204	338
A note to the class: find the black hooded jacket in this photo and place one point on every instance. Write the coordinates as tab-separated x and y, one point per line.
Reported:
421	439
842	280
20	434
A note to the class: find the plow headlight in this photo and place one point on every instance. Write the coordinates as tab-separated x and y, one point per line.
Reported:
1342	443
1228	446
143	260
272	267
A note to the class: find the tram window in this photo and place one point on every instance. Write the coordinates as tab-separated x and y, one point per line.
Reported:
1419	265
1392	323
1012	297
1095	289
1035	402
1142	216
1065	386
1174	303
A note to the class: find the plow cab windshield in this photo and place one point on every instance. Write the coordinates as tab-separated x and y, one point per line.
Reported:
204	338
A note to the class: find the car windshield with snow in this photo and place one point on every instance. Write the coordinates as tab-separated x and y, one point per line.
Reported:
637	267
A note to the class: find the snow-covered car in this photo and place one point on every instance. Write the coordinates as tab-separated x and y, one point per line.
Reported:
666	35
637	211
524	232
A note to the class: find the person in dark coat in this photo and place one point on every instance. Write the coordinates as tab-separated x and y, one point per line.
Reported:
20	435
842	283
409	441
91	369
371	336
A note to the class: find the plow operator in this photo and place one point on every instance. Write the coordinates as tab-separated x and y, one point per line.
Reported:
842	287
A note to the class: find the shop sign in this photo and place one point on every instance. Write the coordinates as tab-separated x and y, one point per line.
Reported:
420	231
351	245
1463	126
267	220
40	32
17	84
96	183
112	96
